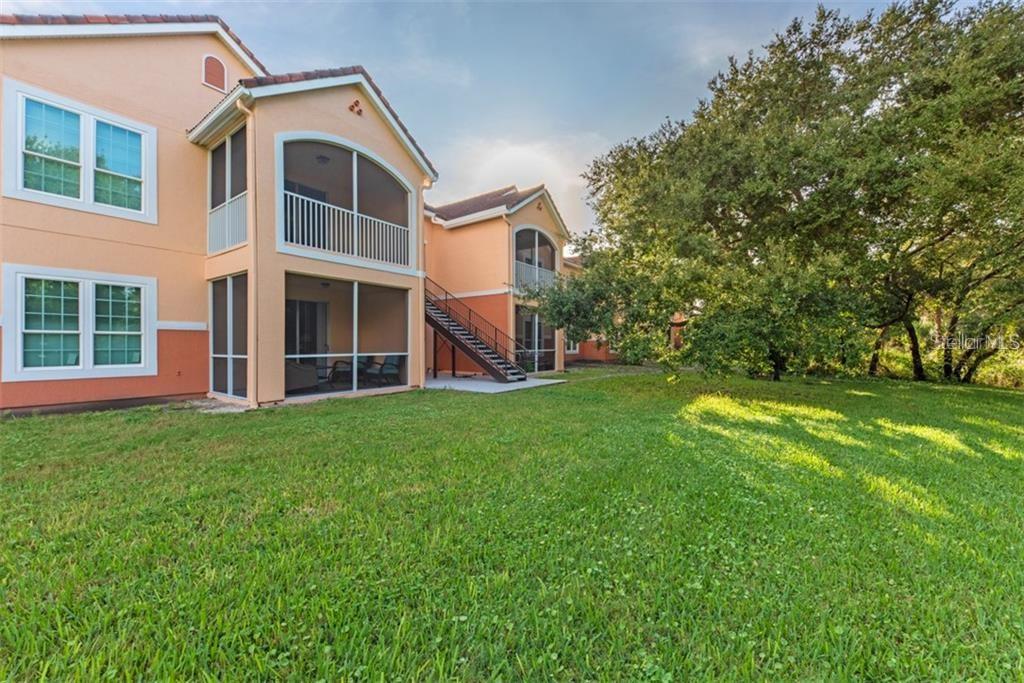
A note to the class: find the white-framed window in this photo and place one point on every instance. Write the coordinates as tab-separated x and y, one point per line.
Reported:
70	324
572	347
64	153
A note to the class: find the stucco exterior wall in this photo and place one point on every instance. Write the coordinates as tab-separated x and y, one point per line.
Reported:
471	259
324	111
155	81
475	263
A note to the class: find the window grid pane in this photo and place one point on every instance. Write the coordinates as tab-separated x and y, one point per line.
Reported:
117	191
117	349
51	311
52	176
118	150
52	131
118	333
50	350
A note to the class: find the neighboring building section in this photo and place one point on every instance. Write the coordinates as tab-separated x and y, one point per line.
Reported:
486	250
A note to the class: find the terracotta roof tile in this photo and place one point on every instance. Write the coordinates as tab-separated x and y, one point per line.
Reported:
298	76
503	196
73	19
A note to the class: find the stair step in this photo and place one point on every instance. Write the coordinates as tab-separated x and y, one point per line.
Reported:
477	348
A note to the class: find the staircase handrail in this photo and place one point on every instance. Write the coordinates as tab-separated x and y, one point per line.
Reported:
457	309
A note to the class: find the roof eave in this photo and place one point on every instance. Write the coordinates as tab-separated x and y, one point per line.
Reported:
487	214
100	30
211	126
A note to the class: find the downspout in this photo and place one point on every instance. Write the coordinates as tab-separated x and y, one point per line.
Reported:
254	313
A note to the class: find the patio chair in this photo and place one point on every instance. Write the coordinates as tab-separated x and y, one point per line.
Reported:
387	372
341	371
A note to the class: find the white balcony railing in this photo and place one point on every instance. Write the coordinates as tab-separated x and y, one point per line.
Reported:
530	275
226	225
318	225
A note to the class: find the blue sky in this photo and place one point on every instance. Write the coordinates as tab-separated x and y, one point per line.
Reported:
502	93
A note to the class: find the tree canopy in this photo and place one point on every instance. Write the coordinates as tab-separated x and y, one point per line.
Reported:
852	181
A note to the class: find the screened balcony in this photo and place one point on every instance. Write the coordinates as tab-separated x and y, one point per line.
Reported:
535	259
344	336
227	224
339	202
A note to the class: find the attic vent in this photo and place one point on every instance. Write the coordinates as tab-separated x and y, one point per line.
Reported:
215	74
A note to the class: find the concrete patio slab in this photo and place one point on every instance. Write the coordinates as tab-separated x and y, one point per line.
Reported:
486	385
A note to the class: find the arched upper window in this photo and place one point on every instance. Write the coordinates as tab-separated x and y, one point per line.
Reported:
534	247
325	172
215	74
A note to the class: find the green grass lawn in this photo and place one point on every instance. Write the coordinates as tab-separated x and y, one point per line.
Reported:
618	527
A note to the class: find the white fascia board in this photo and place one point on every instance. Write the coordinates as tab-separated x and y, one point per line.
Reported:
102	30
526	201
543	192
336	81
219	117
474	217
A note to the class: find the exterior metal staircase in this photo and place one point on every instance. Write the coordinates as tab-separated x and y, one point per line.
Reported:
468	331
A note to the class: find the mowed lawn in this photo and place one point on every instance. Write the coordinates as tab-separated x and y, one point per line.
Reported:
620	527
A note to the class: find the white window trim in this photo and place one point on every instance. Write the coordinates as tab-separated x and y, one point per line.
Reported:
14	276
317	136
202	73
572	347
15	93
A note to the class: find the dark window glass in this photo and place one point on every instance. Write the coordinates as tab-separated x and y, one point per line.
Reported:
239	366
218	175
238	165
291	344
525	246
220	317
220	375
380	195
545	252
239	315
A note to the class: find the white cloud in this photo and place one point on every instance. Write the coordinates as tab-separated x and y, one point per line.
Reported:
471	165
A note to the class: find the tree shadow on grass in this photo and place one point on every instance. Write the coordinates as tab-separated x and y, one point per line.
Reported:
947	473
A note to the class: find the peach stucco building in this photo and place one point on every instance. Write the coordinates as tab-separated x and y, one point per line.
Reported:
183	223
